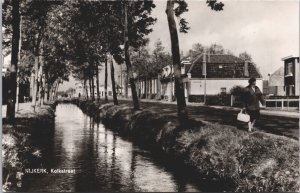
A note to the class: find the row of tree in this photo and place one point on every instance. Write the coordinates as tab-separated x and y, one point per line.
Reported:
62	37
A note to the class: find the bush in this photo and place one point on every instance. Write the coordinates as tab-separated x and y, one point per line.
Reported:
220	99
196	98
236	160
237	90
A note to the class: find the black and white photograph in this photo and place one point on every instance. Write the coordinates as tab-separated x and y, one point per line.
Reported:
150	96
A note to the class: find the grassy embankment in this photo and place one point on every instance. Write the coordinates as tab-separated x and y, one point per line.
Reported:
238	160
23	143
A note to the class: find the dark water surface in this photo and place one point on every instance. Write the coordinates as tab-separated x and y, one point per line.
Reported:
103	161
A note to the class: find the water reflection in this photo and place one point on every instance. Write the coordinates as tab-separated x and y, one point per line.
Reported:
103	160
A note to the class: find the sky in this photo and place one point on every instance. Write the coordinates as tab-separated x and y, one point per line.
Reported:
268	30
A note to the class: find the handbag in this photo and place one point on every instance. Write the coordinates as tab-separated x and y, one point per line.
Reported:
244	117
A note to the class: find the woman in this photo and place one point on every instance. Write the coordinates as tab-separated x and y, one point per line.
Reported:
252	96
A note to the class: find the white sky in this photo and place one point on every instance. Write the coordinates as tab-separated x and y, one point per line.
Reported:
268	30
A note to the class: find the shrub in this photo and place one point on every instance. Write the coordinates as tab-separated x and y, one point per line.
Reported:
196	98
237	90
237	160
220	99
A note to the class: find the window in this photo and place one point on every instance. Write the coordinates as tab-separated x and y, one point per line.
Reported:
289	69
223	90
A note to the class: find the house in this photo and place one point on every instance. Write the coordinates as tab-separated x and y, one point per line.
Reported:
211	74
80	92
275	85
207	74
291	75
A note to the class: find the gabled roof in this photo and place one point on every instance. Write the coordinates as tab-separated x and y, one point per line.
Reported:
277	78
222	66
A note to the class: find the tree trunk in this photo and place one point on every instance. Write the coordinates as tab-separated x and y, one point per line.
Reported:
112	74
53	88
85	89
146	88
41	83
36	80
48	91
90	84
128	62
158	87
126	83
55	91
179	87
105	83
97	82
19	59
10	114
93	86
47	86
171	83
18	92
150	88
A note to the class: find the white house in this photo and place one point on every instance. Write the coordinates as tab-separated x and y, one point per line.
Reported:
212	74
275	85
207	74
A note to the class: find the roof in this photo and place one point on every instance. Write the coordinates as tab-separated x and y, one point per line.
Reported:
222	66
289	57
277	78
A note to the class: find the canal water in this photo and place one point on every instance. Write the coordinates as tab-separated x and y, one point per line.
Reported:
102	160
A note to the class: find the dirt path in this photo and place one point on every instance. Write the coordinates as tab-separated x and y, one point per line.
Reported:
279	125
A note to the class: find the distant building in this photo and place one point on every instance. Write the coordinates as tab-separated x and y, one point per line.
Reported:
78	90
291	75
275	84
208	74
218	73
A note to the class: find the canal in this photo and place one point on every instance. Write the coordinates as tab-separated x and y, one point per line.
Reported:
102	160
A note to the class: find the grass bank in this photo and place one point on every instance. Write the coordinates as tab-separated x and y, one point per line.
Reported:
23	143
235	160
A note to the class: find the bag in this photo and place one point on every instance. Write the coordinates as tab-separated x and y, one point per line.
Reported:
244	117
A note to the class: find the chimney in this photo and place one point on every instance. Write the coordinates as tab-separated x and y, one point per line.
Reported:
246	68
204	64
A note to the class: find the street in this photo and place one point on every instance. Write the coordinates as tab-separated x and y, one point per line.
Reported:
279	125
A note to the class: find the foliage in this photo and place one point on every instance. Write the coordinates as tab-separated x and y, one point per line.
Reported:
147	64
237	90
245	56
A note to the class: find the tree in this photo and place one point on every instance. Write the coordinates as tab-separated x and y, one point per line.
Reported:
127	60
196	50
142	65
112	74
216	49
160	59
245	56
105	84
139	21
170	11
14	61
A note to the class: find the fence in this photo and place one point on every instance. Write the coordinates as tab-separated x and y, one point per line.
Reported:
282	103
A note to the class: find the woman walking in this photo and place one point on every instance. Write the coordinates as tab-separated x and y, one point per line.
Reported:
252	96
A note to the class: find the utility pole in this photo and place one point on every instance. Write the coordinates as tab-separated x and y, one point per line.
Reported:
204	73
